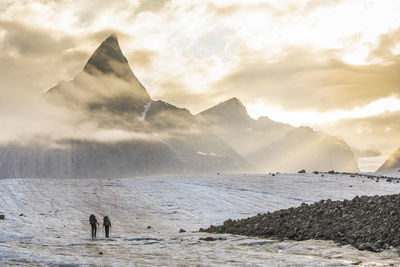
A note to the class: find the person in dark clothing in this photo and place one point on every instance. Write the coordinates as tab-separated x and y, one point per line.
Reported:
107	225
93	224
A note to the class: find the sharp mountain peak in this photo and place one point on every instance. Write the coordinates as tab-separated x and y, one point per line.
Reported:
109	59
232	104
231	109
99	86
233	101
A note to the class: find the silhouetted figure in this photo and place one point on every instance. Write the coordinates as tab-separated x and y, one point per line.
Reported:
93	224
107	225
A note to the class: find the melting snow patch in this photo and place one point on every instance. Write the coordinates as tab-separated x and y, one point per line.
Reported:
208	154
146	109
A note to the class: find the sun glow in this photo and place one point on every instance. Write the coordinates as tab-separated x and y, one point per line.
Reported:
298	118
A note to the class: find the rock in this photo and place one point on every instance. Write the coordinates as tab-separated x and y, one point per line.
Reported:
21	214
100	253
210	238
331	172
315	172
356	263
2	216
366	222
149	227
182	231
302	171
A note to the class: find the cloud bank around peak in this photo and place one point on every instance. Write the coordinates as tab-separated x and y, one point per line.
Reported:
295	56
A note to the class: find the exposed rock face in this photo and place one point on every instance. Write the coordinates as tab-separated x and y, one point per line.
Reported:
230	112
88	159
230	120
106	85
108	59
367	223
392	163
274	146
165	139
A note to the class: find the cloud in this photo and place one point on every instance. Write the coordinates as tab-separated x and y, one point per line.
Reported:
377	132
142	58
176	92
388	48
284	8
151	5
26	40
309	80
32	59
289	54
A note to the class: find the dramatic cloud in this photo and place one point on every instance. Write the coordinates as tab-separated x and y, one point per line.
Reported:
378	132
282	57
306	80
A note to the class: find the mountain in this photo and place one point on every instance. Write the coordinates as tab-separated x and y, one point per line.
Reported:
106	84
131	134
392	163
274	146
231	121
159	138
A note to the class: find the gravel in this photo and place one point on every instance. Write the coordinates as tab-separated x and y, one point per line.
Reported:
367	222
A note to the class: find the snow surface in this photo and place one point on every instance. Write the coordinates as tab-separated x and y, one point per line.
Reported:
54	228
208	154
144	113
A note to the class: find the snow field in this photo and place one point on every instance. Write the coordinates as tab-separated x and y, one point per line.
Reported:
54	227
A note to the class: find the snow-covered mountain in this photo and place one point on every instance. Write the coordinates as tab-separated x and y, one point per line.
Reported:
392	163
274	146
159	138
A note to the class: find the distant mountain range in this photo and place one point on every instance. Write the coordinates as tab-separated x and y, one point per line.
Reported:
274	146
164	139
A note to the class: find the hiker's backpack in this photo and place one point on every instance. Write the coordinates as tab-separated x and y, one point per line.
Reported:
92	219
106	221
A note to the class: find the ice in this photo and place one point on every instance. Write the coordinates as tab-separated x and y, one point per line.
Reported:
144	113
147	213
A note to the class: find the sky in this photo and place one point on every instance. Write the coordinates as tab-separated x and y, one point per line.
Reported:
330	64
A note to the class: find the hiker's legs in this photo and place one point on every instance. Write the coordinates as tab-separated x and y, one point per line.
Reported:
93	231
107	230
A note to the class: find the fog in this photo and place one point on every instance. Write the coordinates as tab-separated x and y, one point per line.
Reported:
377	132
272	146
104	123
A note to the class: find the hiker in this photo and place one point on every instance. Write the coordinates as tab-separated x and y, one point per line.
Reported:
107	225
93	222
